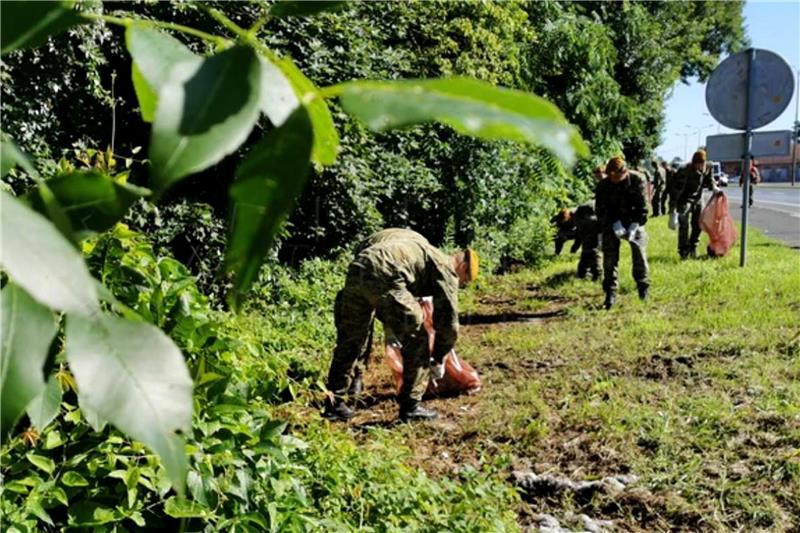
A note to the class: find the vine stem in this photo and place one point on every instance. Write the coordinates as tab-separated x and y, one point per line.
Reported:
125	22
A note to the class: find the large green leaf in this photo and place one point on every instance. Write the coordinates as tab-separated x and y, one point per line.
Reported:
326	139
29	24
267	184
28	329
133	375
11	156
44	408
154	54
205	112
278	98
39	259
469	106
92	201
293	8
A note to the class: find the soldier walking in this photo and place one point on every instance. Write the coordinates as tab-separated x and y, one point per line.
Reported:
622	213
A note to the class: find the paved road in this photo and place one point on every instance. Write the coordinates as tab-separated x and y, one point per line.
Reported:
776	211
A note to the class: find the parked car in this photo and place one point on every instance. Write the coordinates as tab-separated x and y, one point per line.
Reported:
719	176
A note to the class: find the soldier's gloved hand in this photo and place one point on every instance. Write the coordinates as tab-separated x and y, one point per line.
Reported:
437	369
632	229
716	191
618	229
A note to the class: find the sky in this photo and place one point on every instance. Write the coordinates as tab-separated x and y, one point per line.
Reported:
772	26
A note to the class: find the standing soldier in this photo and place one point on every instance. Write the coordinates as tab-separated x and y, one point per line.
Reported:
391	271
687	191
669	174
622	213
755	178
659	188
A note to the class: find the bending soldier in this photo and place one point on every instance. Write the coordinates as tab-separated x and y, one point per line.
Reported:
688	185
588	235
565	231
391	271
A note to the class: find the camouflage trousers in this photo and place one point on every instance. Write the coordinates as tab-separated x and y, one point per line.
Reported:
590	261
641	270
368	294
659	201
689	230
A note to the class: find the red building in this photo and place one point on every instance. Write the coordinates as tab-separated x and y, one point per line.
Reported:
773	169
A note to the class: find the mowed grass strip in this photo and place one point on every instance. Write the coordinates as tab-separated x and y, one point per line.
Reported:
695	391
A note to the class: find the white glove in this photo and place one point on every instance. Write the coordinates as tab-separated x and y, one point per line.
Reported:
632	229
673	220
618	229
437	371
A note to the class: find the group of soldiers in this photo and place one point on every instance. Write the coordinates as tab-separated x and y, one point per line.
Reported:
619	213
394	268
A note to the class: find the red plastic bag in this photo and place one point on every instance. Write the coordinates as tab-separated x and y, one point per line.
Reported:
717	222
459	376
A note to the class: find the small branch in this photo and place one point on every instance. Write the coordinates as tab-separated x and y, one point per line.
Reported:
220	17
257	25
125	22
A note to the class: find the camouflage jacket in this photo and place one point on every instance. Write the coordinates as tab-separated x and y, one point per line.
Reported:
687	186
624	201
405	261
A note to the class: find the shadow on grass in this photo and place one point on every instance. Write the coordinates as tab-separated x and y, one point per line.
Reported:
508	316
557	280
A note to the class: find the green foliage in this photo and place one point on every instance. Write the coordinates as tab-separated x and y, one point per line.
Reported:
92	201
26	25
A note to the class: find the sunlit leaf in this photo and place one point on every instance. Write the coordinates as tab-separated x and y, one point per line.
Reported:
154	53
133	375
302	8
39	259
11	156
29	24
469	106
278	98
267	184
326	139
44	408
92	201
205	111
28	329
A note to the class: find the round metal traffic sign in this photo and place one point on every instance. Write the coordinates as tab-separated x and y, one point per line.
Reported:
772	83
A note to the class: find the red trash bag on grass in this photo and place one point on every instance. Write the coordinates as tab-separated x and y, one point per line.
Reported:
717	222
459	376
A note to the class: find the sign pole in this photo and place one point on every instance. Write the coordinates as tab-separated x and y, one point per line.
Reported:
748	146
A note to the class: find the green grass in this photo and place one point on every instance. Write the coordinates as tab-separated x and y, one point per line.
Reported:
696	391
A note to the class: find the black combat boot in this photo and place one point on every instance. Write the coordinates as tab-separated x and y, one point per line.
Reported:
337	409
356	386
643	291
611	299
412	410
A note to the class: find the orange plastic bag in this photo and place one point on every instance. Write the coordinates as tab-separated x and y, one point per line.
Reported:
459	376
717	222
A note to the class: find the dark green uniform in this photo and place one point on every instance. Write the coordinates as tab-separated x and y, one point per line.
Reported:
391	271
659	190
588	235
687	191
624	202
565	231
